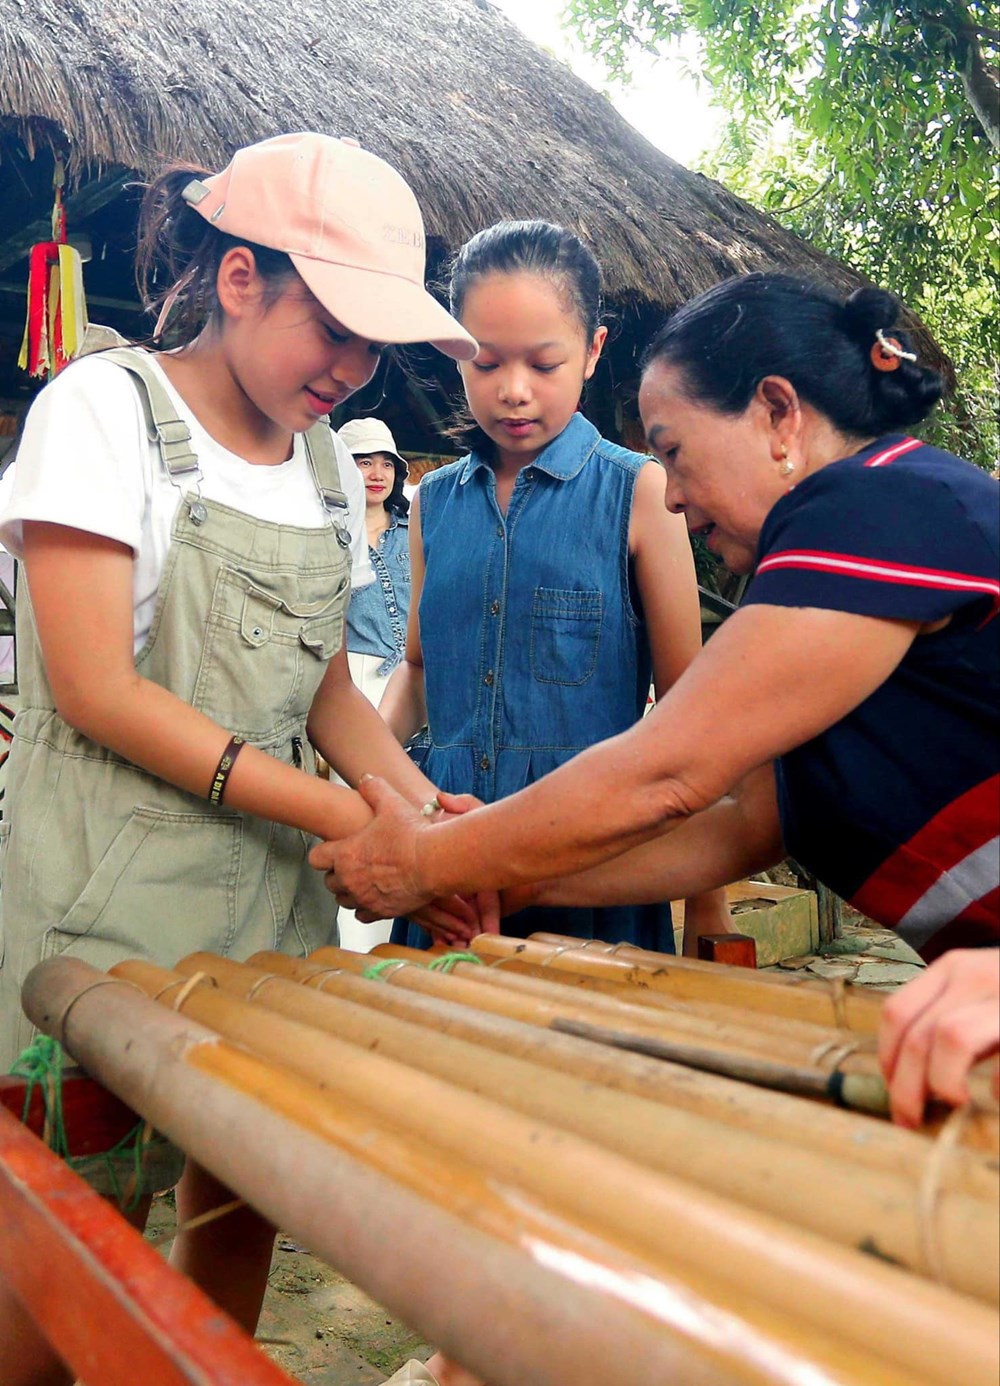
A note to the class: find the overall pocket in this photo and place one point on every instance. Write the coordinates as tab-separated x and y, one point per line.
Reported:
165	886
565	635
265	653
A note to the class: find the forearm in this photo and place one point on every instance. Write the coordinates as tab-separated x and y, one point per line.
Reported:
691	861
165	736
353	737
557	825
404	705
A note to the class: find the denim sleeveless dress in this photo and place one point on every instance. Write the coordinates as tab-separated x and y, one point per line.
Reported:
533	648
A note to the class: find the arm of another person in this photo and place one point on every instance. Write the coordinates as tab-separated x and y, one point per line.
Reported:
668	589
737	837
772	678
81	593
351	734
404	706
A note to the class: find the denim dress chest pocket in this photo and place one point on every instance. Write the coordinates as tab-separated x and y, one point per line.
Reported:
282	644
565	634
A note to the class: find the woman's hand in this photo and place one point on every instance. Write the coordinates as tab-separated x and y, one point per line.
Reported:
377	871
937	1027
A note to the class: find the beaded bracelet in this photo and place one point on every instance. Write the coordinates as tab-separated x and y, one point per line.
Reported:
222	770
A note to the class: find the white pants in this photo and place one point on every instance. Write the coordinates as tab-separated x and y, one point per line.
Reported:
358	937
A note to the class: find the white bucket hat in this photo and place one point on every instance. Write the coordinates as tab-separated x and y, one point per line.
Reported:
364	436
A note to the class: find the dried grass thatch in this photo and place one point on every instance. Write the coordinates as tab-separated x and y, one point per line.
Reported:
482	122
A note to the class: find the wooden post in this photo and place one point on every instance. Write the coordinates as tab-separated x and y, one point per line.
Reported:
737	950
109	1305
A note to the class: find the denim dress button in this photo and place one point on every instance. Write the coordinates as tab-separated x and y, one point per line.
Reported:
484	764
494	608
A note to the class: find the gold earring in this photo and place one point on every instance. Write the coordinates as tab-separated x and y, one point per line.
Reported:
786	467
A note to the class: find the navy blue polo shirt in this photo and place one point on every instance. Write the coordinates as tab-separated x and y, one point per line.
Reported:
897	806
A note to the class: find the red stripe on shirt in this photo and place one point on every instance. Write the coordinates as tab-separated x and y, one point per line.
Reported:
881	459
909	873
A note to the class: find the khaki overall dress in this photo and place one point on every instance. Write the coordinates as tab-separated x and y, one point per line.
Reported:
102	861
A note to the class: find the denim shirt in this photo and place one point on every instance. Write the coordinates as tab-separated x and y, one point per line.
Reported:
533	649
376	617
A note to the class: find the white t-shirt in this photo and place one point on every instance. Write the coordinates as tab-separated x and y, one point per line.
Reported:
85	461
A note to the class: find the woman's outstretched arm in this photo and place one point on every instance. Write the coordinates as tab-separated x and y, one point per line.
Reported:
771	679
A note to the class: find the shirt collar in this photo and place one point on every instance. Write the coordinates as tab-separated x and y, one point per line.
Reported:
563	458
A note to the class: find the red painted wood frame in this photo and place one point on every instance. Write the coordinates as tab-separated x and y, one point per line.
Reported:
109	1305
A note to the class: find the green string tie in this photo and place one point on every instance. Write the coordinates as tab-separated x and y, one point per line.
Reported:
373	973
448	960
443	964
41	1064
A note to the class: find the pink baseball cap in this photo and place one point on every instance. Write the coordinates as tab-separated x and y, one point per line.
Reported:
350	225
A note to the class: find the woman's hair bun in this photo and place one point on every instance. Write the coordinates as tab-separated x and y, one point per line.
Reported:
868	310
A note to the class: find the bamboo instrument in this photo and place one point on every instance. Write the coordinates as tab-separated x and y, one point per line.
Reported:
623	1202
429	998
319	1169
688	978
828	1070
879	1213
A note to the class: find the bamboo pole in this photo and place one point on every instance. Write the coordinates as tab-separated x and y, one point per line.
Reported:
622	1202
334	1176
830	1071
694	1014
874	1211
855	1007
428	998
689	978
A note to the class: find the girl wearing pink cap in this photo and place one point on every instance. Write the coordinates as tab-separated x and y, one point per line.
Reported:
180	520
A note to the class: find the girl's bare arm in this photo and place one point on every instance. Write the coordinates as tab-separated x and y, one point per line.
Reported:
81	591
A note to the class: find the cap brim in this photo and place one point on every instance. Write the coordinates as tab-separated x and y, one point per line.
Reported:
384	307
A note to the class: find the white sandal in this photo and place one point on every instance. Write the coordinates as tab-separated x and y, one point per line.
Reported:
412	1373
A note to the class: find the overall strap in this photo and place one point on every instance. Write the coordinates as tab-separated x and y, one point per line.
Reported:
325	469
171	434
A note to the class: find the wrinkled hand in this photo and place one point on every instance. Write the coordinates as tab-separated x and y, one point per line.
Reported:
937	1027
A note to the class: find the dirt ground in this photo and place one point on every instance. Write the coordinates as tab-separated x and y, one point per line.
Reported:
315	1325
323	1331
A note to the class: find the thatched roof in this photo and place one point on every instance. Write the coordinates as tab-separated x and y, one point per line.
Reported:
482	122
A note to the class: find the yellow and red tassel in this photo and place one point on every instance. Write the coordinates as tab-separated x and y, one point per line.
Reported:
57	313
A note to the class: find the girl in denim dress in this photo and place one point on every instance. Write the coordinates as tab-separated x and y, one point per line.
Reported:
549	585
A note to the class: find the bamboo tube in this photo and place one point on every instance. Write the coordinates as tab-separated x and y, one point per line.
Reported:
626	1204
869	1143
322	1170
695	1014
878	1212
689	978
829	1071
982	1130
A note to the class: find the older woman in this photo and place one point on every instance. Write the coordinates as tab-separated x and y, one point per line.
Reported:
846	714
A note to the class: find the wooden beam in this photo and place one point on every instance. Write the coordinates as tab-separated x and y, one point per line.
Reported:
79	205
108	1304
